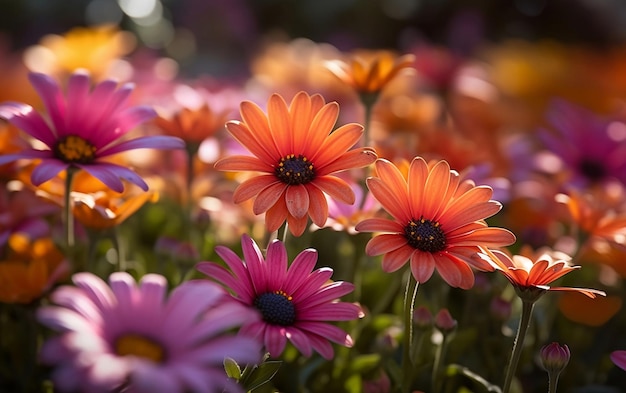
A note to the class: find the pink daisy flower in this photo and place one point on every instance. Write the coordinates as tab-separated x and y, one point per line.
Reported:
295	302
619	359
82	129
134	336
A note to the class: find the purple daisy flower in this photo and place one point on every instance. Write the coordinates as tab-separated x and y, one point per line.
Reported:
136	337
295	302
83	128
591	148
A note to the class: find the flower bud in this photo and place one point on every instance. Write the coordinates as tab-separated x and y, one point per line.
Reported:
554	357
444	321
422	318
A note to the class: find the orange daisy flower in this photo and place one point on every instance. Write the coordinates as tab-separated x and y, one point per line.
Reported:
531	273
298	151
438	221
370	71
193	125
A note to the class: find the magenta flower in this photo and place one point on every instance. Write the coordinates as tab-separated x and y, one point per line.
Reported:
82	129
591	148
134	336
295	302
619	359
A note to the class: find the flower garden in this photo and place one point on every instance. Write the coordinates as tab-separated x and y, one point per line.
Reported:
314	215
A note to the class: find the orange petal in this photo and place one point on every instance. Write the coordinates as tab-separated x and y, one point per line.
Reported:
384	243
266	152
357	158
279	122
395	259
486	237
480	211
335	188
268	197
301	118
379	225
257	123
252	187
242	163
422	266
318	207
435	188
276	215
320	128
297	225
418	173
297	200
337	143
455	272
389	200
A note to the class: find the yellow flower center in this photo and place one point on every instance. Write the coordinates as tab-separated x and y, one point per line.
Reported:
425	235
295	170
73	148
136	345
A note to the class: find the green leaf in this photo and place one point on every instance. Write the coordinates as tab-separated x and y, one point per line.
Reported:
232	369
480	383
261	375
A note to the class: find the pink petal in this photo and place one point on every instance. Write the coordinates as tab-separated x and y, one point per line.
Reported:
46	170
145	142
27	119
52	98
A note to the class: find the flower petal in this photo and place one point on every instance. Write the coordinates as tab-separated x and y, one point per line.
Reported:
297	199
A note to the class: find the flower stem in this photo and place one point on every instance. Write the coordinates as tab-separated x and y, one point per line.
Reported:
68	224
409	303
553	380
518	344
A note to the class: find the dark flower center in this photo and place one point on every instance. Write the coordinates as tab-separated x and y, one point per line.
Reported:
295	170
425	235
276	308
72	148
592	169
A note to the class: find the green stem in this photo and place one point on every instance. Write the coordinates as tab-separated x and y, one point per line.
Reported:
121	254
518	344
439	356
67	206
553	380
368	100
409	303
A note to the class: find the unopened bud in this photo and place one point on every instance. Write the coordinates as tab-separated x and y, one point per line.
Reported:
422	318
444	321
554	357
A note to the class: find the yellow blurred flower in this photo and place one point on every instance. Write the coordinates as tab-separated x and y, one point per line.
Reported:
30	268
92	48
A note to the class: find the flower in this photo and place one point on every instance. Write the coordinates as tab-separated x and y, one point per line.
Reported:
619	358
295	302
370	71
554	357
299	153
530	275
93	48
31	267
83	130
591	148
438	221
104	210
22	211
134	335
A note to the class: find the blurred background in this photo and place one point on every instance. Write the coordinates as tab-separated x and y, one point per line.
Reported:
219	36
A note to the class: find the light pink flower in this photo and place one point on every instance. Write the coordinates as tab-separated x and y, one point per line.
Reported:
136	336
295	302
83	128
